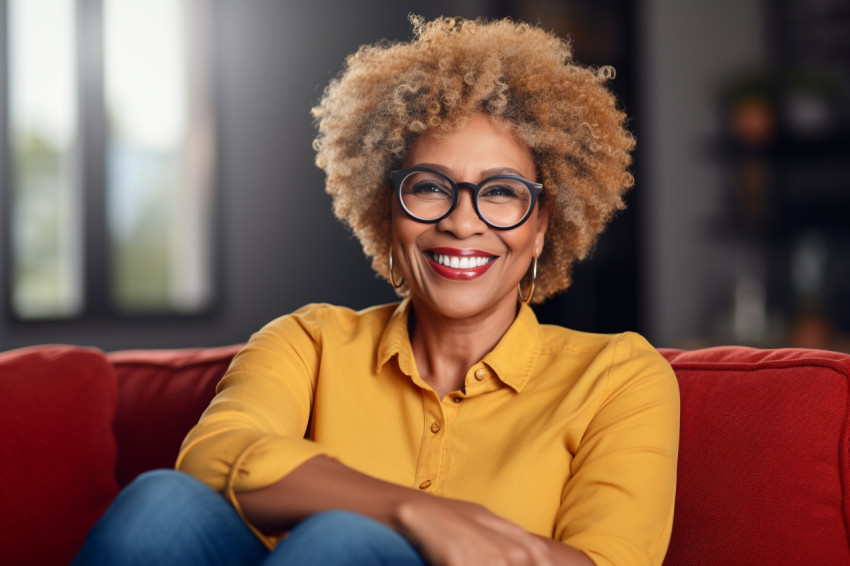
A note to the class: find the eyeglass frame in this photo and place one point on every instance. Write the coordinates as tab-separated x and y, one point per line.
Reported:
400	175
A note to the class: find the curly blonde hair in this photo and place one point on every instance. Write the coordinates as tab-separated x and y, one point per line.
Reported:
390	93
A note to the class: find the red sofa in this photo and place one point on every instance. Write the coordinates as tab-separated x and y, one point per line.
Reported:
764	466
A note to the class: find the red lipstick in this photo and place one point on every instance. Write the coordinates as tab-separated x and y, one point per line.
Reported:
457	273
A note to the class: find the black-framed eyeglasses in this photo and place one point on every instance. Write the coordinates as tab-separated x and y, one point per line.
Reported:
502	201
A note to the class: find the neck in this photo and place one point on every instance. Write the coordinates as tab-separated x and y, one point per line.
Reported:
445	348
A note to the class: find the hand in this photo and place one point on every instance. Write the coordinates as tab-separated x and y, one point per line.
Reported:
449	532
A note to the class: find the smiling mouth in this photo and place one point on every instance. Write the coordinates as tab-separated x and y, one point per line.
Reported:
459	262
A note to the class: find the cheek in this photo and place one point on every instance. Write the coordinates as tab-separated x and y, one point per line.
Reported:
521	242
397	218
404	230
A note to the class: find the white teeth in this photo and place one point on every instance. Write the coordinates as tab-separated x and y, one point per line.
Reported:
455	262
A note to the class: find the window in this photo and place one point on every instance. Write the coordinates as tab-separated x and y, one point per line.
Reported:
42	91
111	155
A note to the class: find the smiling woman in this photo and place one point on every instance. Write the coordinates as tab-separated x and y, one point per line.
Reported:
450	428
392	94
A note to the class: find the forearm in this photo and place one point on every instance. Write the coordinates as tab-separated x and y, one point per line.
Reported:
445	530
322	484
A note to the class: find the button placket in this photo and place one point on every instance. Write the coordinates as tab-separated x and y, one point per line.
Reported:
431	449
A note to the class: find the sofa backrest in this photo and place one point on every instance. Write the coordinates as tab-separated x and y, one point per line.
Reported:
161	395
764	457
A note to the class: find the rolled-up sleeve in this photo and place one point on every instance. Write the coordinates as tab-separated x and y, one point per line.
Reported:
253	432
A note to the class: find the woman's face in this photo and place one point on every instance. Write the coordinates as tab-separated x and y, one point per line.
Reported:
482	148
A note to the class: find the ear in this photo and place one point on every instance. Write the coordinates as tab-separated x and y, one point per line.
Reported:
542	225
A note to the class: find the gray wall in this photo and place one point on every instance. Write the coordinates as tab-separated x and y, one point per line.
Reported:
688	48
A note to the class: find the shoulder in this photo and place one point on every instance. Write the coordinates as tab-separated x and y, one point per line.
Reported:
304	333
559	337
618	347
318	319
621	359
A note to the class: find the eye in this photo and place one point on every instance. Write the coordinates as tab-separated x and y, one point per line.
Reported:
423	187
427	187
499	191
502	191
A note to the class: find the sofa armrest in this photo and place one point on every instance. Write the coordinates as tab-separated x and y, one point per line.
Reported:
764	459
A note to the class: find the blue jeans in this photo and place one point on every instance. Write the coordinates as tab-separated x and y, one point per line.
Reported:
166	517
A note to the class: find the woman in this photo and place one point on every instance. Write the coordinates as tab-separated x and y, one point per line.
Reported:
475	164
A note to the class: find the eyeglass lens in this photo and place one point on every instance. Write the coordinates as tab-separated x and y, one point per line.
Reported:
501	202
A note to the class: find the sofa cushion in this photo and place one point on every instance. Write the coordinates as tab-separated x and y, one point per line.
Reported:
764	456
57	450
161	395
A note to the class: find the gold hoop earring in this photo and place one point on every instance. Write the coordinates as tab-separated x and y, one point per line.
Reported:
527	299
392	278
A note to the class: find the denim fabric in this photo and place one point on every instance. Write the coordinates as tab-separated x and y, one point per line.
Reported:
167	517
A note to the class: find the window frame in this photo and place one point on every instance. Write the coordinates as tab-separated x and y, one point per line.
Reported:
93	138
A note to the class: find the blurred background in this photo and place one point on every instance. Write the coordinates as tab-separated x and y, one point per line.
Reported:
157	186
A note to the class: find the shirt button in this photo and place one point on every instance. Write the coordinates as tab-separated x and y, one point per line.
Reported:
425	485
435	427
480	374
457	399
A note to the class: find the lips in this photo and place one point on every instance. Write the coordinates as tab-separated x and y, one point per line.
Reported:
459	264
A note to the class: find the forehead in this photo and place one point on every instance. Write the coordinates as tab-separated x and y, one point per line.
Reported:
482	144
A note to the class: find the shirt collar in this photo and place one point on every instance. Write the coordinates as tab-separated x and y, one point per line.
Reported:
512	360
514	357
396	340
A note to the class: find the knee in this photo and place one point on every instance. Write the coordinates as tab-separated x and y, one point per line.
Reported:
152	511
160	493
166	498
165	484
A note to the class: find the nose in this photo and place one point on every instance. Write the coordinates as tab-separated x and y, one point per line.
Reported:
463	222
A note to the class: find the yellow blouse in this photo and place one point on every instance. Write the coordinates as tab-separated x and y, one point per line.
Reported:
571	435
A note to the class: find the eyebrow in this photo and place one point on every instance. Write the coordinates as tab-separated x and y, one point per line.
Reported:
484	174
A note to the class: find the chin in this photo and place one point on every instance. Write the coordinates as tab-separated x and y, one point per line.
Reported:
463	305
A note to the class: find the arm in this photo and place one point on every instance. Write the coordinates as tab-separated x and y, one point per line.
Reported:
445	531
618	504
